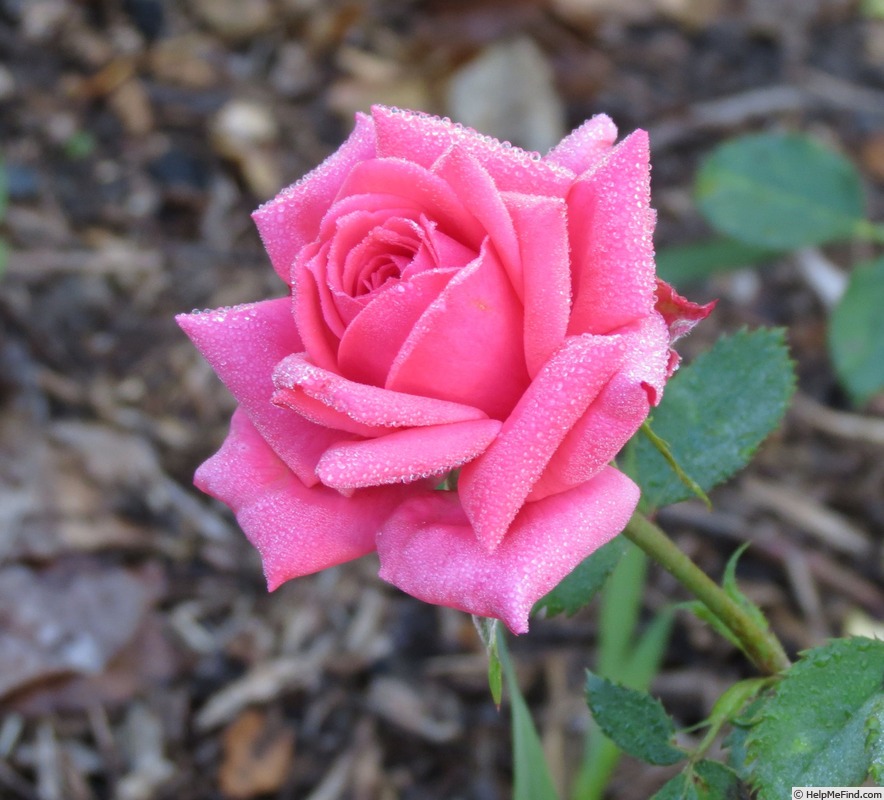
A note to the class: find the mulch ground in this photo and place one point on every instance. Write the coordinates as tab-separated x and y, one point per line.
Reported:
140	654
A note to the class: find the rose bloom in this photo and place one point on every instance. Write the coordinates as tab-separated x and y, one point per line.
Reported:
454	303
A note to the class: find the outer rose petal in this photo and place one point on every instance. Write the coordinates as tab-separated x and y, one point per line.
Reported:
243	344
291	219
405	456
296	529
542	227
611	224
494	487
427	548
366	405
584	147
423	139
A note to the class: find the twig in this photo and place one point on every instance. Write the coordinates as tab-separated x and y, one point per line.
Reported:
842	424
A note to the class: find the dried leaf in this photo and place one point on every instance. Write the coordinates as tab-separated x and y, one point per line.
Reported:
71	619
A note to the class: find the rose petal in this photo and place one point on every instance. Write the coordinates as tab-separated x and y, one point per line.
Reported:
296	529
296	377
291	219
542	228
404	181
243	344
476	190
585	146
427	548
310	304
376	335
438	250
598	436
353	235
422	139
470	332
324	303
405	456
494	487
611	224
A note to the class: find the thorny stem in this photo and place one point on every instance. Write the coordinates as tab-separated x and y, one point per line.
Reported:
761	646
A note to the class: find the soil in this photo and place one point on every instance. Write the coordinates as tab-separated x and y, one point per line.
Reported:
140	653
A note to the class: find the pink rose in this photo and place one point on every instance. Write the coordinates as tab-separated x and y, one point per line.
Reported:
456	304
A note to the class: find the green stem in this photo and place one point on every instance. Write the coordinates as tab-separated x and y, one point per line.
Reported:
760	645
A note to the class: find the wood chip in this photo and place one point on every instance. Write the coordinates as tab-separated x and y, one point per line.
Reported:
144	744
258	752
235	20
813	518
132	106
264	682
827	280
527	109
334	784
842	424
415	711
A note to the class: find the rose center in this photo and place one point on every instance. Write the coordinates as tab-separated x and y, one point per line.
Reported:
384	255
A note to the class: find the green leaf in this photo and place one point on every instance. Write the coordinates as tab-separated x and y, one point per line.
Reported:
705	780
732	700
732	589
701	611
875	742
488	633
579	587
531	778
714	414
856	332
873	8
619	610
780	191
636	671
692	262
814	729
633	720
735	741
645	657
728	707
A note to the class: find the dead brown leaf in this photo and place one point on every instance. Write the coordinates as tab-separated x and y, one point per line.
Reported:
70	619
